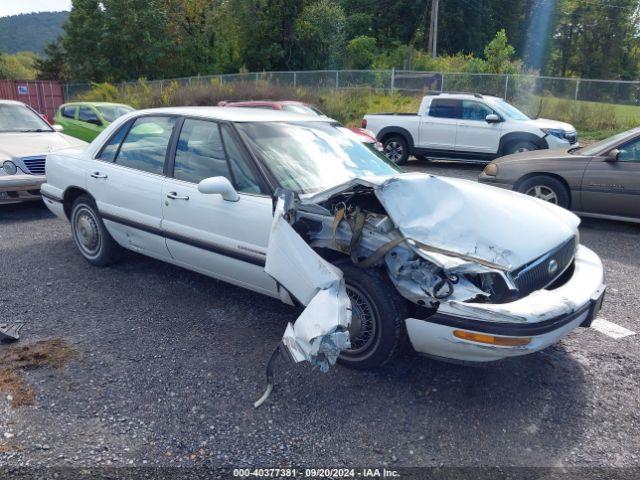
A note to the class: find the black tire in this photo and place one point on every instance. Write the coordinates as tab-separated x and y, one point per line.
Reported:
376	339
546	188
518	146
396	149
89	234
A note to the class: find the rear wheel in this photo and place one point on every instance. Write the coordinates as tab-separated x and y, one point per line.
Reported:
396	149
90	235
377	320
546	188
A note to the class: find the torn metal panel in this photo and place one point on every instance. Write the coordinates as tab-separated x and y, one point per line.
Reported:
10	330
320	332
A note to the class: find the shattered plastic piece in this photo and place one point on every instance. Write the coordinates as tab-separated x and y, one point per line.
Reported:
11	330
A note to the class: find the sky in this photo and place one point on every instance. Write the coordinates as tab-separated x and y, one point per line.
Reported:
14	7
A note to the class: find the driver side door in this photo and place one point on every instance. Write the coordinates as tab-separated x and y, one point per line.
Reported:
475	134
89	123
204	232
612	187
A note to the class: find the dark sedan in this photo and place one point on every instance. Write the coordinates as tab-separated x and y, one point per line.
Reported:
602	180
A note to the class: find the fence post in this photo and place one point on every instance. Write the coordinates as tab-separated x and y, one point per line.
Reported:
337	83
393	78
506	85
294	79
442	82
257	78
575	96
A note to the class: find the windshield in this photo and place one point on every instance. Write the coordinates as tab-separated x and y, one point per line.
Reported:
20	118
608	143
111	112
303	109
509	110
309	157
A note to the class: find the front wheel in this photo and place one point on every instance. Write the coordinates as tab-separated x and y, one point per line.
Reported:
520	147
396	149
546	188
377	320
90	235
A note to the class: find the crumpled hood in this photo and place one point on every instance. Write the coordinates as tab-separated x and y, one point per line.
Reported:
18	145
546	123
499	226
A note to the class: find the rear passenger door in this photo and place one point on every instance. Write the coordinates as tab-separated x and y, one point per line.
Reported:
224	239
126	180
439	126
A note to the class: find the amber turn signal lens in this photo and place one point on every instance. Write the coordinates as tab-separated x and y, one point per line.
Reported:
491	170
491	340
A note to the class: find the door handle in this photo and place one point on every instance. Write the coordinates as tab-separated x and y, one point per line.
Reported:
175	196
98	175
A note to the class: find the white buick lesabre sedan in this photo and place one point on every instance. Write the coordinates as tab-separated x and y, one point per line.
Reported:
296	208
25	140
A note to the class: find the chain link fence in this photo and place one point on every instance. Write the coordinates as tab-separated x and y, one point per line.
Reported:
519	89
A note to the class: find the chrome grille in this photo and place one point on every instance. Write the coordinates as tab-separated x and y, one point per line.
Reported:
537	275
35	165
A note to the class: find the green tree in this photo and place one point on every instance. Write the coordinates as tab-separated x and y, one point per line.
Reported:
82	42
499	53
53	65
320	35
360	52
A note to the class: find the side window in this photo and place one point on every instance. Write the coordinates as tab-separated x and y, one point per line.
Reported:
444	108
475	110
630	151
68	111
200	153
110	149
145	146
88	115
245	179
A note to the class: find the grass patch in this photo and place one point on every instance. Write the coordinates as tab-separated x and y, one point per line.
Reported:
53	353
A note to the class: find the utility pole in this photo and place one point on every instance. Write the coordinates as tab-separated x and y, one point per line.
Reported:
433	28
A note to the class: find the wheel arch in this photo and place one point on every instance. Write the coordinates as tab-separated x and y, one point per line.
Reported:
560	178
511	137
70	195
386	132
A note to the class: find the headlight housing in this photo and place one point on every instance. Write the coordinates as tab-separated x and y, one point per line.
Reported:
555	132
491	170
9	167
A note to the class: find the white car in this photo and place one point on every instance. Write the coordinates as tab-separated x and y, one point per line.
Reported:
297	208
465	127
25	141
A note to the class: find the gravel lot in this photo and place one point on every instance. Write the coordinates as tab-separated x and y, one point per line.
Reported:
171	361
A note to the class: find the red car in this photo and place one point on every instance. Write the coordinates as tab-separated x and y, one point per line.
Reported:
293	106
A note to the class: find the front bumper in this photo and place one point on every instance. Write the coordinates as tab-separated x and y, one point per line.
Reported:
544	317
20	188
493	181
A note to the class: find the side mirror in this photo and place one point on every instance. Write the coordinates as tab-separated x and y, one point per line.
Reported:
57	128
613	155
219	185
492	118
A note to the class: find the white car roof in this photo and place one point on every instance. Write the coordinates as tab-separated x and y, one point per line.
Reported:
466	96
234	114
11	102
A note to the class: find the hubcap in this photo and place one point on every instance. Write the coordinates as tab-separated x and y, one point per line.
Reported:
543	193
363	323
393	151
86	231
523	149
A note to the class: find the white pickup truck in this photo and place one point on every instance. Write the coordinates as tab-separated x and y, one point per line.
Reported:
469	127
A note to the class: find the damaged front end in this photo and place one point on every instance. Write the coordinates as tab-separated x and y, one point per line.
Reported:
469	259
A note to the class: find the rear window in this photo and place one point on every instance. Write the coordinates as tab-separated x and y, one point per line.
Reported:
444	108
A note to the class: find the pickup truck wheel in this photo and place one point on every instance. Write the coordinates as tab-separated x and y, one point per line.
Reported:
519	146
377	323
546	188
90	235
396	149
